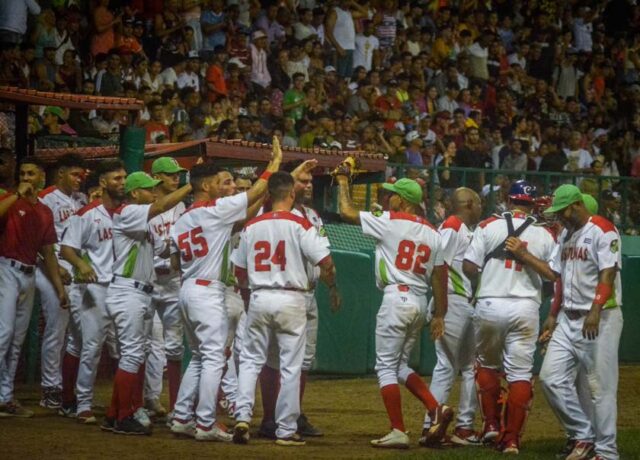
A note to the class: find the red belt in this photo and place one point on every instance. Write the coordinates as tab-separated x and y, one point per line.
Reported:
576	314
203	282
403	288
281	289
163	271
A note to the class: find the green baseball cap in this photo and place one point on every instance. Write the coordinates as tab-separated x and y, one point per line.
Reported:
590	203
139	179
166	165
408	189
53	110
564	196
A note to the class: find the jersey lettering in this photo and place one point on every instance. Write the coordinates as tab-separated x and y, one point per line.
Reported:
264	260
105	234
407	253
162	229
573	253
192	238
508	263
64	214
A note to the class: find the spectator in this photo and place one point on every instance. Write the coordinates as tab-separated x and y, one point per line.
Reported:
448	102
111	84
260	76
516	159
104	21
44	34
414	150
341	34
53	122
578	159
479	57
127	41
294	103
156	128
190	76
214	24
69	76
169	75
13	20
611	206
303	28
317	24
472	155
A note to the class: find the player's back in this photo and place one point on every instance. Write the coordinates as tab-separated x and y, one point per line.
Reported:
504	277
408	248
276	247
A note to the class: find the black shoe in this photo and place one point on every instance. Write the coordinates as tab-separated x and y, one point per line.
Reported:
566	449
108	424
68	410
268	429
307	429
51	398
131	426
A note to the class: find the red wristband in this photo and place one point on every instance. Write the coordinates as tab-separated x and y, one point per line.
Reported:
266	175
603	293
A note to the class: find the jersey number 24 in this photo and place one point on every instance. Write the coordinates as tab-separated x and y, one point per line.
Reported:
412	257
265	259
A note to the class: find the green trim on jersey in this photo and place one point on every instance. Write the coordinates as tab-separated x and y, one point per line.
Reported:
225	273
611	303
87	259
130	263
457	282
382	268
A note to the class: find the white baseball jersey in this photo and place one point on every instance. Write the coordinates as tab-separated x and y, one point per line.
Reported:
507	277
275	248
313	271
201	236
133	243
579	258
90	230
62	207
407	250
456	238
160	227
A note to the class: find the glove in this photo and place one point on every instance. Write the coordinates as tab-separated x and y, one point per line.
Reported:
347	168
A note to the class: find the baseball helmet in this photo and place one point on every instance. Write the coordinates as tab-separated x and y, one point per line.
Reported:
521	190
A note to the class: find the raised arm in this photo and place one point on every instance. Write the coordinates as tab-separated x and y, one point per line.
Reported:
258	189
168	201
347	211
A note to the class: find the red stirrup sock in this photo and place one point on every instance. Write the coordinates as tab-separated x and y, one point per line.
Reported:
70	365
174	368
303	384
127	385
419	389
393	404
488	383
518	403
269	388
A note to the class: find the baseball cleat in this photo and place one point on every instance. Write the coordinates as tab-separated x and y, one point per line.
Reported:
582	450
307	429
183	429
490	433
567	448
155	408
68	410
241	433
108	424
291	441
86	417
14	409
131	426
511	447
142	417
212	434
169	419
465	437
440	419
395	439
51	398
268	429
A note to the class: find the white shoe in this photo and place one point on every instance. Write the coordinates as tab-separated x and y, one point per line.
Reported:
396	439
142	417
185	429
169	419
213	434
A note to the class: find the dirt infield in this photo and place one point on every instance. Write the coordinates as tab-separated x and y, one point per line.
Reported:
349	411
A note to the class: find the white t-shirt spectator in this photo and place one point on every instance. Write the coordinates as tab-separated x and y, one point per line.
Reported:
363	54
577	159
169	77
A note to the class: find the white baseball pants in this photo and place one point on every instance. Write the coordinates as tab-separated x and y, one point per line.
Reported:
398	324
205	322
456	352
283	314
74	332
506	331
235	315
128	307
16	303
311	333
56	320
156	358
567	351
165	302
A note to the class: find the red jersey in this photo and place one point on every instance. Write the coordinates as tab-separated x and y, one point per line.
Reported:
25	229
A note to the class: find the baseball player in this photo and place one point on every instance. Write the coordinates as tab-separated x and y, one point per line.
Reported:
273	250
506	319
269	377
166	286
236	319
589	325
26	230
408	254
64	199
200	246
455	351
129	297
87	246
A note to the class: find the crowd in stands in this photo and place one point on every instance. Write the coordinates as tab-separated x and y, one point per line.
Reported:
536	85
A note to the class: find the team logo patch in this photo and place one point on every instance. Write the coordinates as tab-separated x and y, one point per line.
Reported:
322	232
587	241
377	212
614	246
